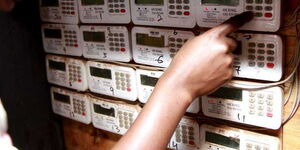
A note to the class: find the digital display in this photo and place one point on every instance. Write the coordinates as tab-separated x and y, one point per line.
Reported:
52	33
149	2
222	140
57	65
228	93
92	2
145	39
146	80
221	2
104	111
102	73
238	50
50	3
61	98
94	36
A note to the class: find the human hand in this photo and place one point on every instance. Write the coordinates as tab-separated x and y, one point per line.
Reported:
205	62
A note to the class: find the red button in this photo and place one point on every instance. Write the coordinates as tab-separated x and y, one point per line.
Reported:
128	89
191	142
268	15
212	101
186	13
73	13
270	115
123	49
79	80
270	65
123	10
83	113
75	45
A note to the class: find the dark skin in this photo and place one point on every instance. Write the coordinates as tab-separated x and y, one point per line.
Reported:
202	65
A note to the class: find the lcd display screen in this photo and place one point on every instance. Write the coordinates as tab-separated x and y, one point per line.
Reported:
57	65
228	93
92	2
62	98
150	81
145	39
104	111
52	33
94	36
102	73
50	3
222	2
149	2
229	142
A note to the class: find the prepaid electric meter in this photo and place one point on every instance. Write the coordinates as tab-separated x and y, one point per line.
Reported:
106	43
62	39
71	104
113	116
266	13
59	11
112	80
66	72
104	11
157	47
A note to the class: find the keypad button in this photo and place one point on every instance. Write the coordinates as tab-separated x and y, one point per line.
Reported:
186	7
186	1
251	57
269	109
251	51
260	113
251	94
261	58
249	8
268	8
251	64
179	40
122	5
270	65
251	112
261	101
172	12
270	45
249	1
268	1
270	58
249	145
251	100
251	44
178	7
270	96
178	1
178	13
261	51
252	106
268	15
260	64
171	1
171	7
261	45
270	52
270	103
258	1
258	14
258	8
260	107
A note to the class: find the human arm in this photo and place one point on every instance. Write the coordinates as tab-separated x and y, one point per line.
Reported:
202	64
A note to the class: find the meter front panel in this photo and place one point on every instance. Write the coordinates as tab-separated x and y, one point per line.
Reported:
157	47
186	135
66	72
263	108
59	11
62	39
227	138
267	13
113	117
104	11
106	43
174	13
146	81
258	56
112	80
70	104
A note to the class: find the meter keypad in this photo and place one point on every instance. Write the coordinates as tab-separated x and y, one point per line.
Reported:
261	55
123	81
74	73
125	119
117	42
68	7
79	107
261	104
263	9
185	134
116	6
175	43
255	146
179	8
70	38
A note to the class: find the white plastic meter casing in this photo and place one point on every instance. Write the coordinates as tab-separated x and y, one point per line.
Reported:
112	80
113	116
228	138
258	56
62	39
170	13
262	108
106	43
157	47
146	81
104	11
186	135
71	105
66	72
267	13
59	11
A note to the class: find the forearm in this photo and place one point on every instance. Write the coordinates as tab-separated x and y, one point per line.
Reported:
158	119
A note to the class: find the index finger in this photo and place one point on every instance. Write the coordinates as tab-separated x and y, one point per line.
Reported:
234	23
